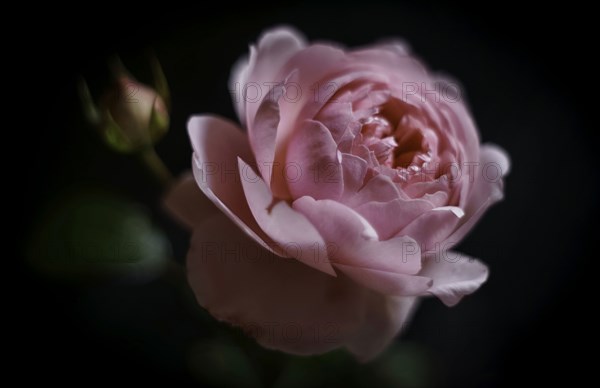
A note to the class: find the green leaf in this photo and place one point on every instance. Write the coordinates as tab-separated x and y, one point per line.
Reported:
92	233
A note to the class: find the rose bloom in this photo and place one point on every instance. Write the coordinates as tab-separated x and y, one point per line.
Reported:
337	200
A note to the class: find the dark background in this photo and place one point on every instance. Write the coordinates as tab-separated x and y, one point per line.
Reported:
528	77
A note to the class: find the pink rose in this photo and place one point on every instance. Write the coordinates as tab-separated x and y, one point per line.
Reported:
336	208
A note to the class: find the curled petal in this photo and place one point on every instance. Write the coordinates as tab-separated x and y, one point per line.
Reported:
275	47
313	157
293	235
353	246
354	171
217	144
389	218
454	275
433	227
263	131
486	190
387	283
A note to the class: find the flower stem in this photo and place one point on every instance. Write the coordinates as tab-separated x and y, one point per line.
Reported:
155	164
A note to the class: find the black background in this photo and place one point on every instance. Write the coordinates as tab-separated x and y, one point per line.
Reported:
528	77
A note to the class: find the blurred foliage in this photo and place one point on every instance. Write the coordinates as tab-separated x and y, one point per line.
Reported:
405	365
326	370
221	363
402	365
228	359
90	233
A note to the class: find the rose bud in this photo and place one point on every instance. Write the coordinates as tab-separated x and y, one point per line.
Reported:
130	116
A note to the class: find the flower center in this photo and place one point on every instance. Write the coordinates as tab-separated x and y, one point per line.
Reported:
396	142
413	150
377	137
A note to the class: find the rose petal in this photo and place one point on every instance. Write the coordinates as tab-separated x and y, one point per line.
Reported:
389	218
485	191
387	283
353	243
293	234
433	227
406	72
437	199
387	316
318	75
217	143
454	275
284	304
186	203
313	154
336	116
354	171
263	132
455	110
493	154
422	189
376	94
238	79
395	45
379	188
259	72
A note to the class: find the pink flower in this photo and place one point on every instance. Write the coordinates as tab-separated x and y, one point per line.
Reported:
336	208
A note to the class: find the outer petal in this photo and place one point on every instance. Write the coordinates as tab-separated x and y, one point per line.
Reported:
186	203
385	282
387	316
275	48
491	153
293	234
455	111
284	304
393	62
217	144
354	248
454	275
433	227
486	190
312	65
